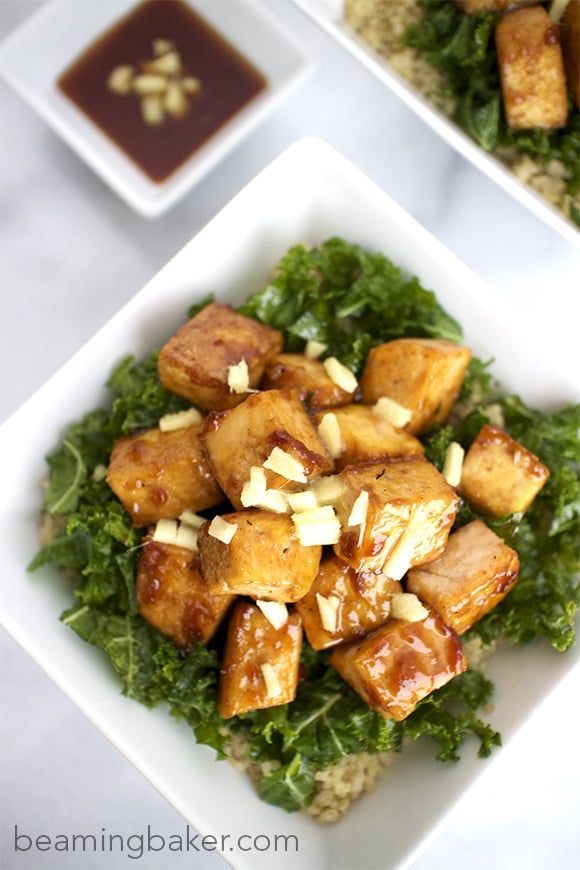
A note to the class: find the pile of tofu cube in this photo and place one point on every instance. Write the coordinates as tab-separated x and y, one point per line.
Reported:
538	52
292	498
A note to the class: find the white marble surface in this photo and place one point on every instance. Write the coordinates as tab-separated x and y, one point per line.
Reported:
72	254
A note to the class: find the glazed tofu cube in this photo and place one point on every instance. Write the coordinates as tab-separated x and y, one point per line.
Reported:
499	476
474	573
531	68
308	377
260	664
342	605
172	596
197	362
423	375
157	475
570	33
365	436
401	663
410	509
264	558
245	436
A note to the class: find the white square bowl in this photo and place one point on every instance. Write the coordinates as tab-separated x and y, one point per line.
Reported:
329	15
307	195
33	57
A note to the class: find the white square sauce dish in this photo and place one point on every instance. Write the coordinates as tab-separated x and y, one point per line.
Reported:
152	95
306	196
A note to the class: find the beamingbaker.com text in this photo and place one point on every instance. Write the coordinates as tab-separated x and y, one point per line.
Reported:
146	842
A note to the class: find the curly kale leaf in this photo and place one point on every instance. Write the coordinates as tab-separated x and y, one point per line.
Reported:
348	299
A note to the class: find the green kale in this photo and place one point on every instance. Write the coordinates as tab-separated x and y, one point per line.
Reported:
348	299
291	786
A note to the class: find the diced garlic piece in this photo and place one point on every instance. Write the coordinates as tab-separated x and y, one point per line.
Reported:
239	377
557	9
99	473
314	349
191	85
165	532
174	100
221	530
328	490
275	612
255	488
453	463
120	80
319	526
171	532
146	84
167	64
495	415
152	110
191	519
328	609
392	411
302	501
285	465
180	420
273	500
340	375
358	514
161	46
406	605
329	431
187	537
399	560
273	687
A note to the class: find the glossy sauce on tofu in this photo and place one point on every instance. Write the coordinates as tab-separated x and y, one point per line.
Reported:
364	603
399	664
252	643
228	83
172	596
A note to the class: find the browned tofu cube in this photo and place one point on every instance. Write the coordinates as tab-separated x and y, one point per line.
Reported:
570	33
424	375
531	69
409	513
308	377
342	605
474	573
260	664
365	437
245	436
173	598
195	363
263	559
157	475
401	663
499	476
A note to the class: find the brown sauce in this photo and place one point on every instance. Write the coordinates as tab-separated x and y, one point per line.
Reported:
228	82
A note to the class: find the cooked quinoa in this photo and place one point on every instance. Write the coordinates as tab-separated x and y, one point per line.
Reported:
381	24
336	787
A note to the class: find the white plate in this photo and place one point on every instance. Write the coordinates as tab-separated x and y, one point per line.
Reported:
329	15
33	57
308	194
